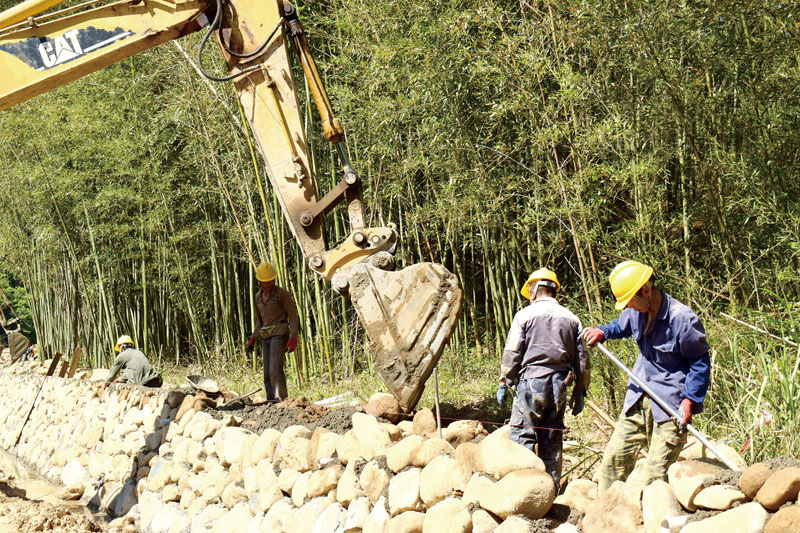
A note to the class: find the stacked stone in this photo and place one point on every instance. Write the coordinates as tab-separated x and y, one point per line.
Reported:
695	499
158	462
376	477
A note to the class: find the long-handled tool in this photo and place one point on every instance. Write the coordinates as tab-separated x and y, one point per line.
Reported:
671	411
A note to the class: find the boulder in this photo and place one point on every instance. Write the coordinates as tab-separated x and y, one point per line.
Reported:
425	423
688	478
348	448
294	455
476	486
304	519
265	445
357	513
265	475
442	517
322	446
378	518
436	480
615	511
373	479
323	481
516	524
428	450
695	450
287	479
525	492
399	455
719	498
300	489
753	478
784	521
233	442
578	495
747	518
332	519
779	488
407	522
265	499
279	514
404	492
383	405
468	461
374	439
233	495
240	514
499	455
349	487
483	522
658	503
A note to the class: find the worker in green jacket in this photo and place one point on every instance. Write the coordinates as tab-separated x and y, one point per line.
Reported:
135	367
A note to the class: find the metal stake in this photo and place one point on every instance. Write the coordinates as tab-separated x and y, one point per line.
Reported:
436	398
672	412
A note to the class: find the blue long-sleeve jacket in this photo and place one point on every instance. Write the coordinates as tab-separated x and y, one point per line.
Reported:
673	357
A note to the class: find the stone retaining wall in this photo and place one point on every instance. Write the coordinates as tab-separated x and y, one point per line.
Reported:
148	457
157	461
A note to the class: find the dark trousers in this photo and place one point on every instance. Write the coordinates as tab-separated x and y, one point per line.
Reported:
274	349
537	417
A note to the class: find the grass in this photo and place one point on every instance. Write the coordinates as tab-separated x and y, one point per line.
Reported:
754	377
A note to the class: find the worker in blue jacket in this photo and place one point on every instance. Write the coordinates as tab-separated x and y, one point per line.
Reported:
673	360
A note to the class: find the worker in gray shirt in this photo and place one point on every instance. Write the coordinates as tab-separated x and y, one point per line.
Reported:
135	367
544	353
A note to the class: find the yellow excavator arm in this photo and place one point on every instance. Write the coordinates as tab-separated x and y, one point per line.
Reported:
408	315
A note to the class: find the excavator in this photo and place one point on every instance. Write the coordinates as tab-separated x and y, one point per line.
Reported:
408	315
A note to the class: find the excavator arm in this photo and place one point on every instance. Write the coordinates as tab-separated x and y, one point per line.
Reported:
408	315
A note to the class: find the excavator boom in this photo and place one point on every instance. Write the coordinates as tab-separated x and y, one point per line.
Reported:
408	315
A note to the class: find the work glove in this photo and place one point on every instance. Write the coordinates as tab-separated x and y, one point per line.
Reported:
685	412
501	393
291	345
251	344
593	336
577	401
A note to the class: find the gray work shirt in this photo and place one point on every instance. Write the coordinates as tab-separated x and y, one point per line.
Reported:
544	339
135	368
673	356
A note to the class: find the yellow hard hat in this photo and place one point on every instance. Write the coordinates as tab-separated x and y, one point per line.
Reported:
265	272
626	279
125	339
539	275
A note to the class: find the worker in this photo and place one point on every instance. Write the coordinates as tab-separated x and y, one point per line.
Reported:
135	367
543	353
673	360
277	327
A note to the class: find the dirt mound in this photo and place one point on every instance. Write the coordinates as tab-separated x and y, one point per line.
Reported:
18	513
290	412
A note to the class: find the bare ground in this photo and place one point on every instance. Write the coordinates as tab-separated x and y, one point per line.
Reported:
28	505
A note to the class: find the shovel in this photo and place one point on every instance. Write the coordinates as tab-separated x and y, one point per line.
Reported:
672	412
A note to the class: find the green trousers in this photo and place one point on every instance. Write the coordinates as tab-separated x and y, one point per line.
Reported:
634	430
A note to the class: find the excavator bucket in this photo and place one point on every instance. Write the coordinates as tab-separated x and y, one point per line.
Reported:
409	316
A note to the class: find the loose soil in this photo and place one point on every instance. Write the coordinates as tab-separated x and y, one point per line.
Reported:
778	463
724	477
259	416
28	504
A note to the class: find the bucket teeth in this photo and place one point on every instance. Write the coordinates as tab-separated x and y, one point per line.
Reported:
408	316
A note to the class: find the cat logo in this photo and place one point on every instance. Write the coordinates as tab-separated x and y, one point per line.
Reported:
43	52
61	49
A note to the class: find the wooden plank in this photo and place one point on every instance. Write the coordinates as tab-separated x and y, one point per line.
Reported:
74	364
63	370
52	368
